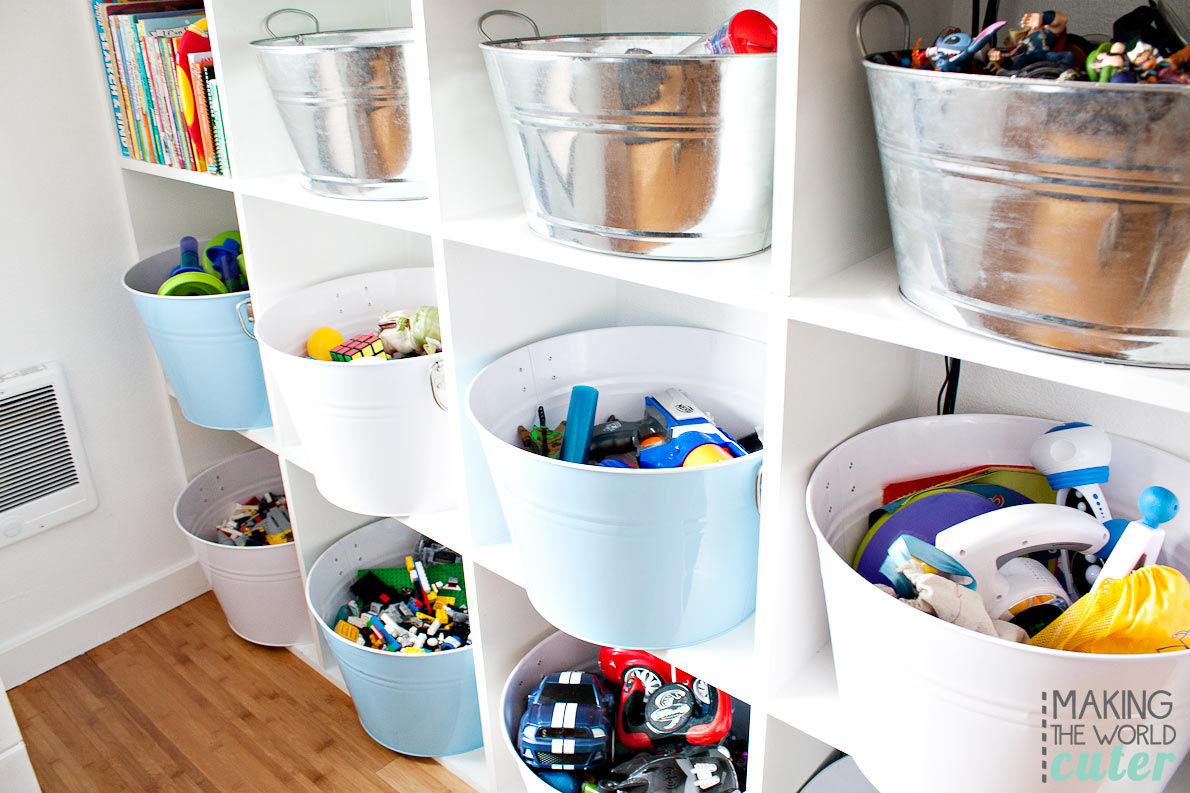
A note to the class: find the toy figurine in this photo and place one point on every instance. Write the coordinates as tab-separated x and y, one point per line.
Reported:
1044	36
1106	61
952	51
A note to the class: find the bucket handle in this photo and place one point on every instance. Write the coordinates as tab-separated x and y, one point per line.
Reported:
863	13
269	19
251	317
438	385
759	477
495	12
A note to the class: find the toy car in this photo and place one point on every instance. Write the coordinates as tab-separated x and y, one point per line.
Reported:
660	703
567	723
694	769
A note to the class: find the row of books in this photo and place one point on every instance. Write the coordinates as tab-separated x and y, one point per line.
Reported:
161	76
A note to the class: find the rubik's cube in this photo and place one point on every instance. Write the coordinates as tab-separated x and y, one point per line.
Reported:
361	346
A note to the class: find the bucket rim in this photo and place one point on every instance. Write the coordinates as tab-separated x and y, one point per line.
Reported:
1039	85
600	469
300	40
511	45
994	641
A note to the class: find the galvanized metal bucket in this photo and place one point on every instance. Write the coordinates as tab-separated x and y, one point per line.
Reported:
344	97
1052	214
621	145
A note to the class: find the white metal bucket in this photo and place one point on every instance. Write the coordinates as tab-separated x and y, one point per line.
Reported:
422	704
376	433
259	588
558	652
937	708
641	559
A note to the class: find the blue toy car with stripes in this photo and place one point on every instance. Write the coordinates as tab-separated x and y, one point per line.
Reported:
567	723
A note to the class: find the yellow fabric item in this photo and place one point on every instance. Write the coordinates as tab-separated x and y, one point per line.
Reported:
1147	611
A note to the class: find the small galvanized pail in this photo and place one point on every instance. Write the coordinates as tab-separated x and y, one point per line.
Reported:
622	145
1052	214
344	97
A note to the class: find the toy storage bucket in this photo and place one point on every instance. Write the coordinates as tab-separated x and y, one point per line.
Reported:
938	708
422	704
259	587
204	345
641	559
558	652
1052	214
622	145
376	432
344	98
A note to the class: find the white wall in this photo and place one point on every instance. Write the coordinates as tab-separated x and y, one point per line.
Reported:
66	247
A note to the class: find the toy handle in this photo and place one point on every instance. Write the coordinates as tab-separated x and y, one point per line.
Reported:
863	13
251	317
982	544
438	385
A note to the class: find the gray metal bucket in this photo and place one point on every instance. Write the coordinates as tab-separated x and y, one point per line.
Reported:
344	97
1054	215
660	155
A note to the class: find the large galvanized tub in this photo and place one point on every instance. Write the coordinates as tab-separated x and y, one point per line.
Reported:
621	145
344	97
1055	215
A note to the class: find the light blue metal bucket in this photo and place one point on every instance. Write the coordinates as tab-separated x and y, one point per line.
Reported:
423	704
203	343
642	559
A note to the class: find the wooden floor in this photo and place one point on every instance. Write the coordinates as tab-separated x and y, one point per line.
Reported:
183	704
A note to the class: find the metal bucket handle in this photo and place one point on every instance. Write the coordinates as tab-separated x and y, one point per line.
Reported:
298	37
495	12
251	317
863	13
438	385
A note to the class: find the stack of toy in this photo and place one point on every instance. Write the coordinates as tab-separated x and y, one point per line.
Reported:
261	520
217	270
660	724
398	334
418	608
673	433
1143	48
1033	554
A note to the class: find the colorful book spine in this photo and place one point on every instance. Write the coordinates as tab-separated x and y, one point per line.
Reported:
198	61
99	9
217	126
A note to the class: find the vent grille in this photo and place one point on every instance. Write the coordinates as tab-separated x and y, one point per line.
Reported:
35	458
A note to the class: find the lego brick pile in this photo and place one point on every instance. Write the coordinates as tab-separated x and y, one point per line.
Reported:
418	608
398	334
261	520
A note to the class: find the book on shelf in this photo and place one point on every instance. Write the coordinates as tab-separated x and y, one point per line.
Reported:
212	86
147	80
202	112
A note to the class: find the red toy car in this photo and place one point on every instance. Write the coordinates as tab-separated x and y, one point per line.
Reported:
653	712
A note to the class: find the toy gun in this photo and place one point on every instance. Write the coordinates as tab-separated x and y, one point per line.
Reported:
673	433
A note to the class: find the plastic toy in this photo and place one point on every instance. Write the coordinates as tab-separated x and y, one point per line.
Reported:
705	769
405	333
321	342
567	723
193	40
1105	61
1044	37
1075	456
686	430
580	420
364	345
645	717
1141	540
953	51
746	31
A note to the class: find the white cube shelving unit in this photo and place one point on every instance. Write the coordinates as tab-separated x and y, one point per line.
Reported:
845	353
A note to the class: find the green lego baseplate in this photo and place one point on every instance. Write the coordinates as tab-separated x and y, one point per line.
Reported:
398	577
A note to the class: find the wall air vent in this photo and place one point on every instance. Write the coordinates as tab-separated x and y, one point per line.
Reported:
44	478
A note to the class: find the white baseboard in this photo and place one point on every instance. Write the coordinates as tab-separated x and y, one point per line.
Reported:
28	656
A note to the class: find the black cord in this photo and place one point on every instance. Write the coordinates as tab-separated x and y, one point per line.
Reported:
948	394
974	17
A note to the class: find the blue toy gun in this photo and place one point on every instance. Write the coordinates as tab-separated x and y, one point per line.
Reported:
690	436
